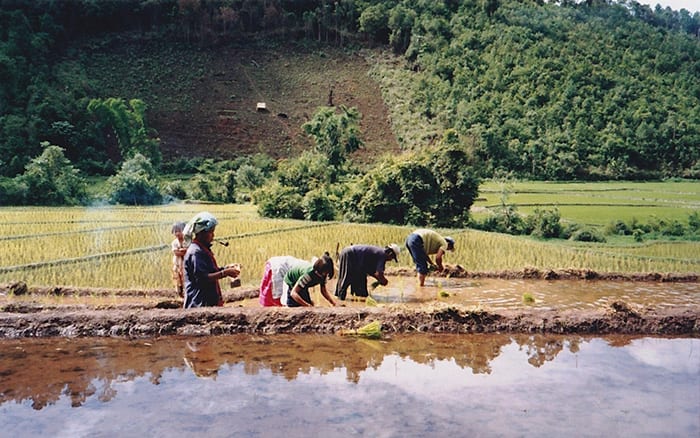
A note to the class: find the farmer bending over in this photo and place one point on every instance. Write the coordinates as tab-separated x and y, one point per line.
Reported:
422	243
356	262
300	279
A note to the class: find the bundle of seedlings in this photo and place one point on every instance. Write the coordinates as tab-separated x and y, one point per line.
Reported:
373	330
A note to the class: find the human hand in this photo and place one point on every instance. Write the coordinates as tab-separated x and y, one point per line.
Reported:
233	270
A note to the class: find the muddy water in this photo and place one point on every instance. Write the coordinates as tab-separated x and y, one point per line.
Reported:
404	386
557	294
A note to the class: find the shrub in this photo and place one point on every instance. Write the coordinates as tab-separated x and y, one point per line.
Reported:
51	179
12	191
175	190
545	223
201	188
694	222
318	206
308	171
618	227
435	187
507	220
587	235
249	177
229	186
135	184
673	228
638	235
278	201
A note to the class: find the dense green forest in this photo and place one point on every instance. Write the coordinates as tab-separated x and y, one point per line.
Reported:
561	90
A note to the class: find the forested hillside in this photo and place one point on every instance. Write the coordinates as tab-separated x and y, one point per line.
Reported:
562	92
545	90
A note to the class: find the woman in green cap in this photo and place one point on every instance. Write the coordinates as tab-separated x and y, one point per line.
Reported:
202	273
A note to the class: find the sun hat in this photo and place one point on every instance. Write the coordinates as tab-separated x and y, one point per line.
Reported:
395	249
450	243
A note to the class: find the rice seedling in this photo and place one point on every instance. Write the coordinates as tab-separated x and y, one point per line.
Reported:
528	298
128	247
373	330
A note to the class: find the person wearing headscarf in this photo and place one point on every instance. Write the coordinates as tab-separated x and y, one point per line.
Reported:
421	244
178	248
356	262
272	283
202	273
300	279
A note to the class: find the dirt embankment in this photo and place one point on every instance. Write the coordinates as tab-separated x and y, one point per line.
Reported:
150	322
153	313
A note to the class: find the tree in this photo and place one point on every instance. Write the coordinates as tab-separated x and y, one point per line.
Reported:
249	177
401	22
278	201
335	134
51	179
307	172
318	206
374	21
434	187
128	124
135	184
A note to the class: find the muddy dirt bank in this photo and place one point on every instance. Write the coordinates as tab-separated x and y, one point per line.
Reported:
80	312
159	318
619	319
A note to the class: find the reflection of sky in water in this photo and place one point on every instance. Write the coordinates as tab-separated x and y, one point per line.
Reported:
650	387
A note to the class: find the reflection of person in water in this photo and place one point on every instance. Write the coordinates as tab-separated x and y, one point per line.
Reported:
200	358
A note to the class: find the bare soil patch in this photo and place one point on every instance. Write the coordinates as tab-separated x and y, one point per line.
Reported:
204	102
46	312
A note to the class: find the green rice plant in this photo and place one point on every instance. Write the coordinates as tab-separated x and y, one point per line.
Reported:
528	298
128	247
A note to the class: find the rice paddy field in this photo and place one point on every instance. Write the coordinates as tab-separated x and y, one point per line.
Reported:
599	203
129	247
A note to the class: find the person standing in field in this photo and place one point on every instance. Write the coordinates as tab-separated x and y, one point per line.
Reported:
421	244
300	279
356	262
272	283
178	248
202	273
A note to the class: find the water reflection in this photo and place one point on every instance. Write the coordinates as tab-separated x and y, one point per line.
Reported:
404	386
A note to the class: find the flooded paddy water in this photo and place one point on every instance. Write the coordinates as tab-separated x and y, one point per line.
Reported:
496	293
331	386
316	384
510	294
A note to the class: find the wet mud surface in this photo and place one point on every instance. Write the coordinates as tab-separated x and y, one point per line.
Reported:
68	312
